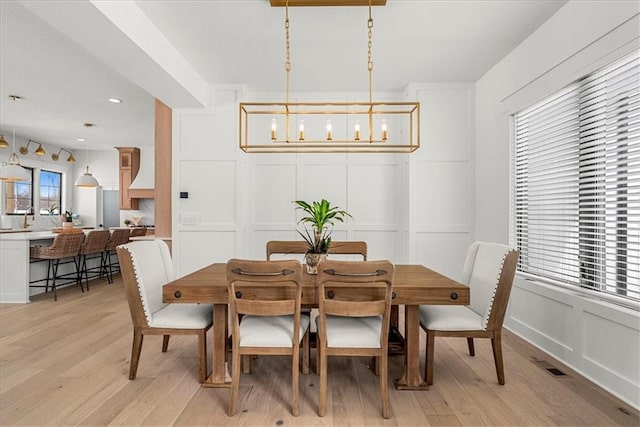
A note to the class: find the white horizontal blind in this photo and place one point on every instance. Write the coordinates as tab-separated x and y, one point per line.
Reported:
576	183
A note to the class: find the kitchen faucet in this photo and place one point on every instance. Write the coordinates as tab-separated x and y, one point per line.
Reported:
25	223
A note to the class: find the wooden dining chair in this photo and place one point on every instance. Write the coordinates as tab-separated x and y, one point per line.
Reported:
146	266
488	270
354	308
300	247
264	305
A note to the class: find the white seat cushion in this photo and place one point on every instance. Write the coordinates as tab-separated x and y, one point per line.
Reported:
270	331
449	318
182	316
353	332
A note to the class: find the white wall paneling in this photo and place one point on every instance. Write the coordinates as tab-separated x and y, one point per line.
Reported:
594	337
441	174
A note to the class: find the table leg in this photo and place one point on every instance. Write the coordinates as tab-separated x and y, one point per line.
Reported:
219	375
412	379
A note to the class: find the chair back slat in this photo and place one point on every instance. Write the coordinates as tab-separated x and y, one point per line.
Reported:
286	247
298	247
349	248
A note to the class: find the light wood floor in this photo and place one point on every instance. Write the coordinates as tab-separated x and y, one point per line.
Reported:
66	363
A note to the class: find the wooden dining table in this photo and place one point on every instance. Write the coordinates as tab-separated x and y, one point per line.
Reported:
413	286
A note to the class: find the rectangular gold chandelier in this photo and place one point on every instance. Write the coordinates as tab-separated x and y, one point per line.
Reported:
329	127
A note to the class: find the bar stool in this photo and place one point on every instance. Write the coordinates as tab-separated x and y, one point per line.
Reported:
94	245
137	231
65	245
119	236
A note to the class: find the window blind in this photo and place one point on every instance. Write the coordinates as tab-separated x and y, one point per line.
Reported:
576	183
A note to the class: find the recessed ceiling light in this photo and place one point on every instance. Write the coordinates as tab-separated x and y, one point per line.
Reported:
115	100
80	139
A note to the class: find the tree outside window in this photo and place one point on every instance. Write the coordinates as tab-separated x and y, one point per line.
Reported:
50	192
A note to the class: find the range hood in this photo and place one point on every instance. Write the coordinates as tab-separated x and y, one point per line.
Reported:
143	184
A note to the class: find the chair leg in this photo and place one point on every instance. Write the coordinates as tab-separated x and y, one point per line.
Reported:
496	345
295	379
53	284
110	264
305	353
246	364
83	270
384	378
322	366
165	343
376	365
106	269
235	380
49	270
317	353
428	366
135	353
472	350
202	356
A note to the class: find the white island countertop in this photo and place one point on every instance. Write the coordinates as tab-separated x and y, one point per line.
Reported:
28	235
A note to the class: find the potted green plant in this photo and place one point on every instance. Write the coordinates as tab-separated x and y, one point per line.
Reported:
67	219
321	216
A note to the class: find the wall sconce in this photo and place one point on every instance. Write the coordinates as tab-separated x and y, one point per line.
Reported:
39	151
70	159
3	142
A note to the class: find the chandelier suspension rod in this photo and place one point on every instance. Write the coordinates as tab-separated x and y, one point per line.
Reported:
287	65
370	69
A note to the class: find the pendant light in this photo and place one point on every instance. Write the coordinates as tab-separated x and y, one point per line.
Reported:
13	171
87	180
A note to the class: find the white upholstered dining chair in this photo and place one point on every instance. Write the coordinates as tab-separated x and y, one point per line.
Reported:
146	266
488	270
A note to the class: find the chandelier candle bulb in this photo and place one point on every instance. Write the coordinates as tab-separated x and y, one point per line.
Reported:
274	130
329	131
357	131
301	131
384	130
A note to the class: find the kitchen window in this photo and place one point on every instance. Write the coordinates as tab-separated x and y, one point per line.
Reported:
21	198
576	184
50	192
19	195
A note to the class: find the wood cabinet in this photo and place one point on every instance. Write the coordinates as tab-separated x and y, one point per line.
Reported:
129	163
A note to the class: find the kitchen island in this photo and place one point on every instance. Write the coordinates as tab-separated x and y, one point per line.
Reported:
15	269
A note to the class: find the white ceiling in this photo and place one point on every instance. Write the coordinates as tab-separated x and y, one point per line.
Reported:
66	58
